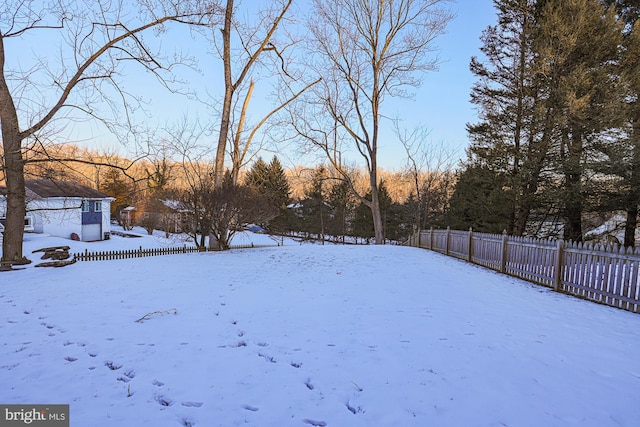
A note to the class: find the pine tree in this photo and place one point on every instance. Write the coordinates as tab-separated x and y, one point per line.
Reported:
271	181
509	143
342	203
631	73
577	46
115	185
257	175
546	92
314	205
480	201
621	162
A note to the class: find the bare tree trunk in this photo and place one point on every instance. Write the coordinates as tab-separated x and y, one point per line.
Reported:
237	156
573	188
225	117
14	171
231	85
633	199
378	226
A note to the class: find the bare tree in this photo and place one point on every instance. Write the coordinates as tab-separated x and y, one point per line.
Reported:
365	51
185	143
101	39
430	169
241	145
252	43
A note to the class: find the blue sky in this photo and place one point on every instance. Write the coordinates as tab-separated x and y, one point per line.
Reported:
441	104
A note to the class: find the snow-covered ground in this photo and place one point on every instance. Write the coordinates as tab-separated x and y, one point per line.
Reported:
309	335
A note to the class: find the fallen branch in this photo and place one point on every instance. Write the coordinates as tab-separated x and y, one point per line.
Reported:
162	313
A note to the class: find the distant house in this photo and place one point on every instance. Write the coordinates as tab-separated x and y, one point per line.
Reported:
64	209
172	216
127	217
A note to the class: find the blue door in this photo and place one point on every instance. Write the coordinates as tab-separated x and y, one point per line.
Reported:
91	220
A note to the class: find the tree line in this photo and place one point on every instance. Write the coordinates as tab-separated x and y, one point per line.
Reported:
313	203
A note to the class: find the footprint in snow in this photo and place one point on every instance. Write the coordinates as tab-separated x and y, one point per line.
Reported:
308	384
70	359
314	422
268	358
163	401
354	409
128	376
250	408
157	383
192	404
114	367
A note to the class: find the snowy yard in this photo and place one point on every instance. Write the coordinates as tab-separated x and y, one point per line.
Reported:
310	335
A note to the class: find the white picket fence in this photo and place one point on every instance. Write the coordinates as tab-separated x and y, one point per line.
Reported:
608	274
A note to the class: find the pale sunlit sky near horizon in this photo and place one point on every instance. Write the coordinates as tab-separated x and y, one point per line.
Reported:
441	104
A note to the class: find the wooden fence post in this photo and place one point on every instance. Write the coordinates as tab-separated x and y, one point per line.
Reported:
431	239
503	257
446	245
470	254
557	266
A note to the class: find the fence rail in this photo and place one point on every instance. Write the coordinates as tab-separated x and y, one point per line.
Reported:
144	252
608	274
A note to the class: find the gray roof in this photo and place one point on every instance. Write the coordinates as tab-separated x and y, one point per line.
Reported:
49	188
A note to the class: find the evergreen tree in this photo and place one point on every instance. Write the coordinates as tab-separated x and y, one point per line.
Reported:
362	224
343	203
257	175
314	205
480	201
622	153
577	46
510	139
271	181
546	93
114	184
631	73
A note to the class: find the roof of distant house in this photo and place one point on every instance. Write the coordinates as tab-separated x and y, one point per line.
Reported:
49	188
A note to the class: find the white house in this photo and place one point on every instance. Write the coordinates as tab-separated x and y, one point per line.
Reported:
65	209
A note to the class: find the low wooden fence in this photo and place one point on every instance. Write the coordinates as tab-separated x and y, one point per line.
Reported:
143	252
605	274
